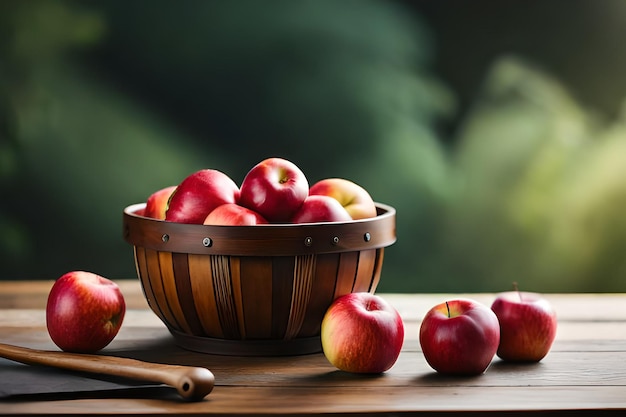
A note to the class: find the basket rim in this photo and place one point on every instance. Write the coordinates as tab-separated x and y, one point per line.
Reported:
274	239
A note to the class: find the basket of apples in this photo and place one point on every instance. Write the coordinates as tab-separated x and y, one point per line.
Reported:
251	269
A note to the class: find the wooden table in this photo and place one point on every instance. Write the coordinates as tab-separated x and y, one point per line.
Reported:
584	374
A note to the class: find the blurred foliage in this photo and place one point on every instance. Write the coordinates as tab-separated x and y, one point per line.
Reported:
301	79
218	85
79	150
102	103
541	186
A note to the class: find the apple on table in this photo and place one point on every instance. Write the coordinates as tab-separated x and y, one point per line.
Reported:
200	193
275	188
459	337
528	325
84	312
362	333
354	198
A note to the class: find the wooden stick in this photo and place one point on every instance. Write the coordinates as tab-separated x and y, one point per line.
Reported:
192	383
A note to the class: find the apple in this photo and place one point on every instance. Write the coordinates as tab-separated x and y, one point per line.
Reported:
354	198
459	337
156	204
84	312
320	208
362	333
275	188
527	326
234	215
199	194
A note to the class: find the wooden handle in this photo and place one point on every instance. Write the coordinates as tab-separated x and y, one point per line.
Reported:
192	383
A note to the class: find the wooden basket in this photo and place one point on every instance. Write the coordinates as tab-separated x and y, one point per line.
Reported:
254	290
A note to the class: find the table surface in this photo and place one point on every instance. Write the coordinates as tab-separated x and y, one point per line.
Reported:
585	372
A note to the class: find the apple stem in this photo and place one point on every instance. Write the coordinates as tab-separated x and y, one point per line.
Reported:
448	307
516	289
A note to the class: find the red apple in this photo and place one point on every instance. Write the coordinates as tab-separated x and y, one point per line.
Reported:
234	215
460	337
156	205
354	198
84	312
527	326
321	208
199	194
362	333
275	188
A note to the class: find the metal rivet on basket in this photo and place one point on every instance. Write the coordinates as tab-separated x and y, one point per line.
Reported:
165	237
308	241
335	240
367	237
207	242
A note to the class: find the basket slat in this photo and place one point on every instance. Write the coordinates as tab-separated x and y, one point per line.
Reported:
180	265
203	294
282	291
346	273
380	255
168	279
223	278
322	293
303	276
235	268
256	296
156	283
365	271
142	268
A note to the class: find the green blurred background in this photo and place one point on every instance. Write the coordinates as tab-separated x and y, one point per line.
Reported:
496	128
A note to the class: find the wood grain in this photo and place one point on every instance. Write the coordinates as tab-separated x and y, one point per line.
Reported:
584	374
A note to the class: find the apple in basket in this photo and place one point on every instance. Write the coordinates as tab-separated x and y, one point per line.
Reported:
527	326
234	215
275	188
354	198
199	194
362	333
84	312
460	337
156	204
320	208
